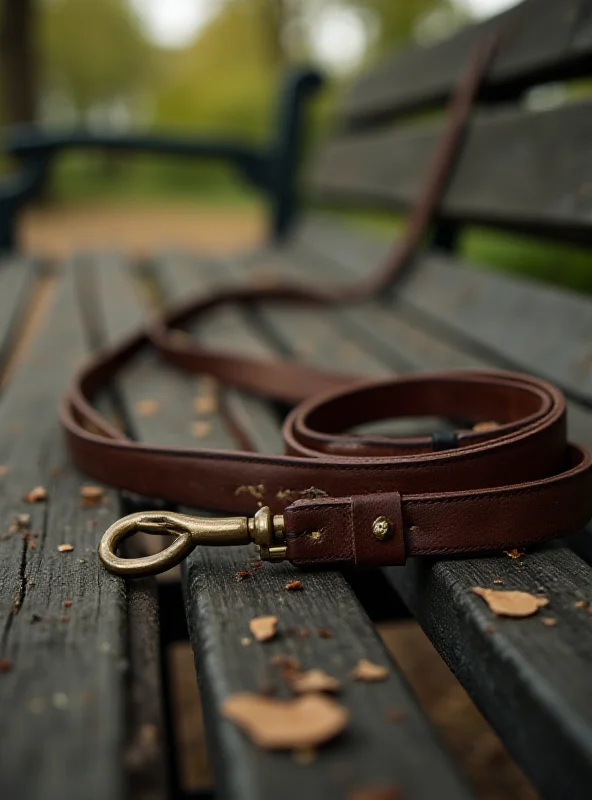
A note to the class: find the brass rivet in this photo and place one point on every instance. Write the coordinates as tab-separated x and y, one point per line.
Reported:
382	529
316	535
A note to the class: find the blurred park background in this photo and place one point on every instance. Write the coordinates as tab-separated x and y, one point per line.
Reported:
215	66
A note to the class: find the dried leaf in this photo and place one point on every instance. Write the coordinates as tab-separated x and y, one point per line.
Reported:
549	621
68	603
366	670
314	680
514	553
294	586
581	604
483	427
263	628
243	574
5	665
205	404
147	408
303	633
91	495
512	603
199	428
325	633
297	724
36	495
65	548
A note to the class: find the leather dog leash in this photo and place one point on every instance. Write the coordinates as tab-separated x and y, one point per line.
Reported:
335	496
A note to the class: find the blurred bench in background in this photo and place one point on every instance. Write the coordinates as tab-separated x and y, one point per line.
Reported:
81	684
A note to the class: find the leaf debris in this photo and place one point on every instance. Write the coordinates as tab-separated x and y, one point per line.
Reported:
147	408
65	548
36	495
294	586
314	680
510	603
263	628
514	553
297	724
366	670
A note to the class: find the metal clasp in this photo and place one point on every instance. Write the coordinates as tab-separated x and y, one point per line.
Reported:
189	532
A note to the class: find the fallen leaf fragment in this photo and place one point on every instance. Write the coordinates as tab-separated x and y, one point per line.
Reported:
366	670
147	408
91	495
5	665
199	429
483	427
65	548
581	604
377	793
243	574
205	404
263	628
294	586
298	724
512	603
67	603
514	553
36	495
325	633
314	680
21	522
549	621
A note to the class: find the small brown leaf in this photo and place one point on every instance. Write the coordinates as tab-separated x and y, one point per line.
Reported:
294	586
147	408
511	604
36	495
514	553
314	680
91	495
65	548
243	574
325	633
298	724
263	628
303	633
205	404
549	621
366	670
68	603
5	665
21	522
581	604
199	428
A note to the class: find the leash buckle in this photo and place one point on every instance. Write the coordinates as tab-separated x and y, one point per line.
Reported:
265	530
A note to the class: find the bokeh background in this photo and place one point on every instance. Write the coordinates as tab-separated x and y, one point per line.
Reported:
215	66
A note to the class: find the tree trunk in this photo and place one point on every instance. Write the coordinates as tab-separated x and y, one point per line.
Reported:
17	62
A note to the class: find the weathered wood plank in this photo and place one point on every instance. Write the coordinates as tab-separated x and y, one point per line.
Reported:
543	41
219	609
64	696
518	169
17	279
559	718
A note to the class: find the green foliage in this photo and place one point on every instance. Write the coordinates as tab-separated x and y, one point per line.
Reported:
93	52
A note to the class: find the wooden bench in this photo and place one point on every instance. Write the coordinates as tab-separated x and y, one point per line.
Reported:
81	685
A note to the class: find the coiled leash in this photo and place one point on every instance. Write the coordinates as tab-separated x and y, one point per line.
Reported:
335	496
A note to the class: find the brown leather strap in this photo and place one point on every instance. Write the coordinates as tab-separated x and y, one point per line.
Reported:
363	499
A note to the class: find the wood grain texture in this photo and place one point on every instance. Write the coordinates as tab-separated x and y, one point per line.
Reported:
64	699
17	280
374	750
543	41
513	671
518	169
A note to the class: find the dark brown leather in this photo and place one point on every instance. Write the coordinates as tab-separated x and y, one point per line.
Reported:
518	484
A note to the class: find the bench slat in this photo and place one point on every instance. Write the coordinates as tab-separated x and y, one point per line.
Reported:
529	684
219	609
63	698
17	280
520	170
545	41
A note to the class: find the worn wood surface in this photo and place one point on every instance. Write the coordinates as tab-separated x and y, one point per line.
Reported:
374	751
519	169
70	727
18	277
544	40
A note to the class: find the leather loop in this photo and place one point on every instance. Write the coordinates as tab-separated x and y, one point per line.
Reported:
508	484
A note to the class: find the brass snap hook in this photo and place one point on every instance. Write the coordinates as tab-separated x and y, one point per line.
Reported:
189	532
